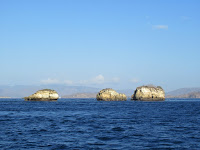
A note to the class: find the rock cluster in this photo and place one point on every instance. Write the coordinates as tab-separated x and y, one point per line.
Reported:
149	93
110	95
43	95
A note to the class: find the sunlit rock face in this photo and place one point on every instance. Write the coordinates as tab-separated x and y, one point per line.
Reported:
149	93
43	95
110	95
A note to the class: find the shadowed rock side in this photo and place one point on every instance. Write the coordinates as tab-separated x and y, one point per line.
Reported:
149	93
43	95
110	95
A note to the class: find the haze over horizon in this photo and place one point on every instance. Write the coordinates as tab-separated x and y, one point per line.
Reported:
115	43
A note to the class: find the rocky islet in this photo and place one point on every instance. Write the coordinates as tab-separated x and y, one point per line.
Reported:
43	95
110	95
149	93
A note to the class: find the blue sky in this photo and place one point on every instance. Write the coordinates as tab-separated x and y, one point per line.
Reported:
104	43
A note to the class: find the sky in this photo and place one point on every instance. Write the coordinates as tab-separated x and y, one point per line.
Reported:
119	44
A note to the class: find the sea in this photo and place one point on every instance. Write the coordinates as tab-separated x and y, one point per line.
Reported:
76	124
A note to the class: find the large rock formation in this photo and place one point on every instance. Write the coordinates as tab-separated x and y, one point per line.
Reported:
43	95
149	93
110	95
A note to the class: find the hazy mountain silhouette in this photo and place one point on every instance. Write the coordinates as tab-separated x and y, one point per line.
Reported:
19	91
182	91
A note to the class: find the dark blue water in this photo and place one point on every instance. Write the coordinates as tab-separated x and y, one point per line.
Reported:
90	124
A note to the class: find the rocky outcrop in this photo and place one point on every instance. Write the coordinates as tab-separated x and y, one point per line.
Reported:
149	93
43	95
110	95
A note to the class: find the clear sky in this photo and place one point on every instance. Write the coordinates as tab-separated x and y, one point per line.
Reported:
100	43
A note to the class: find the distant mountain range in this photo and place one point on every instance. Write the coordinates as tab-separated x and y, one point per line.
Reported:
184	93
64	91
179	93
81	95
128	92
20	91
189	95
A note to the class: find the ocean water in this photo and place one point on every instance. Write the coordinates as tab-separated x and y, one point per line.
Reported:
90	124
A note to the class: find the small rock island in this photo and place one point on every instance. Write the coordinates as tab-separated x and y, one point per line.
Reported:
110	95
43	95
149	93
